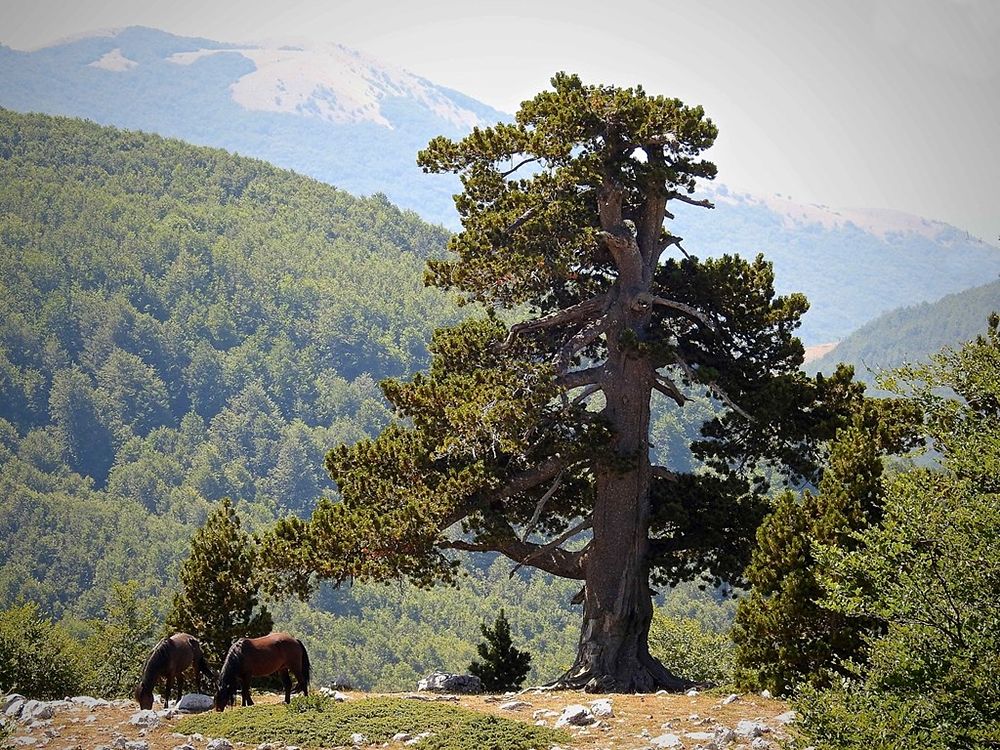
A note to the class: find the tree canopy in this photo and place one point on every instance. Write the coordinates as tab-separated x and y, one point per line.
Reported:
529	436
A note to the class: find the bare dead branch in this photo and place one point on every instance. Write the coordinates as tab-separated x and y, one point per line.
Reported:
577	312
521	219
583	338
540	507
662	472
553	544
690	201
520	164
667	387
687	310
577	378
525	480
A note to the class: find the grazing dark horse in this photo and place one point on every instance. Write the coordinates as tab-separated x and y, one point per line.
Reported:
170	658
256	657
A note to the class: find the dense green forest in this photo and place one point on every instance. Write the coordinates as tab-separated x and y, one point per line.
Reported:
180	325
913	333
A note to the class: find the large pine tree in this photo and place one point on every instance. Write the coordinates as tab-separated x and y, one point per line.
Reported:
532	439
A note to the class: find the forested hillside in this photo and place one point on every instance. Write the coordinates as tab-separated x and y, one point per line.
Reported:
178	325
913	333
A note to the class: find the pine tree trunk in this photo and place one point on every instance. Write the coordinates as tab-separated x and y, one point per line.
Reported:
613	653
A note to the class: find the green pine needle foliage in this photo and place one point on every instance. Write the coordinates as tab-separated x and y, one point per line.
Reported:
219	602
503	666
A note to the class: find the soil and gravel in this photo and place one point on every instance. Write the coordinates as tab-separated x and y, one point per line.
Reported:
707	721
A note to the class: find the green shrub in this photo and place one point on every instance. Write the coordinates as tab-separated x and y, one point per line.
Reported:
38	657
503	667
688	650
315	724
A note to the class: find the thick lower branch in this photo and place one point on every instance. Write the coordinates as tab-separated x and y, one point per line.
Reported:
554	560
574	314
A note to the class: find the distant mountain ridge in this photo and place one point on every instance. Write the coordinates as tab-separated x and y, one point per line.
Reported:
344	118
913	333
327	112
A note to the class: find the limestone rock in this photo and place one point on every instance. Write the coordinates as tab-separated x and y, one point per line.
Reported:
667	740
786	718
748	728
731	698
145	718
194	703
444	682
89	702
220	743
575	716
602	708
137	745
514	705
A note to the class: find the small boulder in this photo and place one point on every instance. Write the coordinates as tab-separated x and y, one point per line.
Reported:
602	708
25	741
358	739
184	747
786	718
9	700
340	682
748	728
137	745
194	703
444	682
220	743
731	698
759	743
514	705
692	692
33	710
575	716
145	718
667	740
89	702
401	737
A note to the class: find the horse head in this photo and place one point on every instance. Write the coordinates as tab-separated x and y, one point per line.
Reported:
144	696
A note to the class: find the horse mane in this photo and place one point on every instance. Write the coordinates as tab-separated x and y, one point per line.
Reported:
155	663
233	663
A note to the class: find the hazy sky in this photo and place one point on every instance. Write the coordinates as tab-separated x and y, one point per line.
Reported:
848	103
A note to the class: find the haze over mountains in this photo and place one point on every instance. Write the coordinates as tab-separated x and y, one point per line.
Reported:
344	118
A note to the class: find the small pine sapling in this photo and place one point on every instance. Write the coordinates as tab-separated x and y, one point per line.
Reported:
503	667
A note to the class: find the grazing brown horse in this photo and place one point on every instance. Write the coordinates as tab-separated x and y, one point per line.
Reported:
256	657
170	658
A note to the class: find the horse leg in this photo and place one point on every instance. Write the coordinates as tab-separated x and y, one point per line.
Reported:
180	687
166	695
246	692
286	681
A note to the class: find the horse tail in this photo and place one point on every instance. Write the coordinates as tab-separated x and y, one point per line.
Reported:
305	668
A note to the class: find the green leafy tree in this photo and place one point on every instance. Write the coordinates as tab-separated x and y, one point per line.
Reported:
523	437
688	649
117	649
503	666
82	430
784	635
928	573
219	602
38	657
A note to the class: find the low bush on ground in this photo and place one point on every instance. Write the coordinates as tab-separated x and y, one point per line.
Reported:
687	649
325	723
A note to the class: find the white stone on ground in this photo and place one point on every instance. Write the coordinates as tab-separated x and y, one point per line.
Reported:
667	741
731	698
144	718
514	705
748	728
786	718
220	743
575	715
194	703
602	708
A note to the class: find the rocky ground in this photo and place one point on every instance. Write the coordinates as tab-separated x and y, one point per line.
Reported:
631	722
